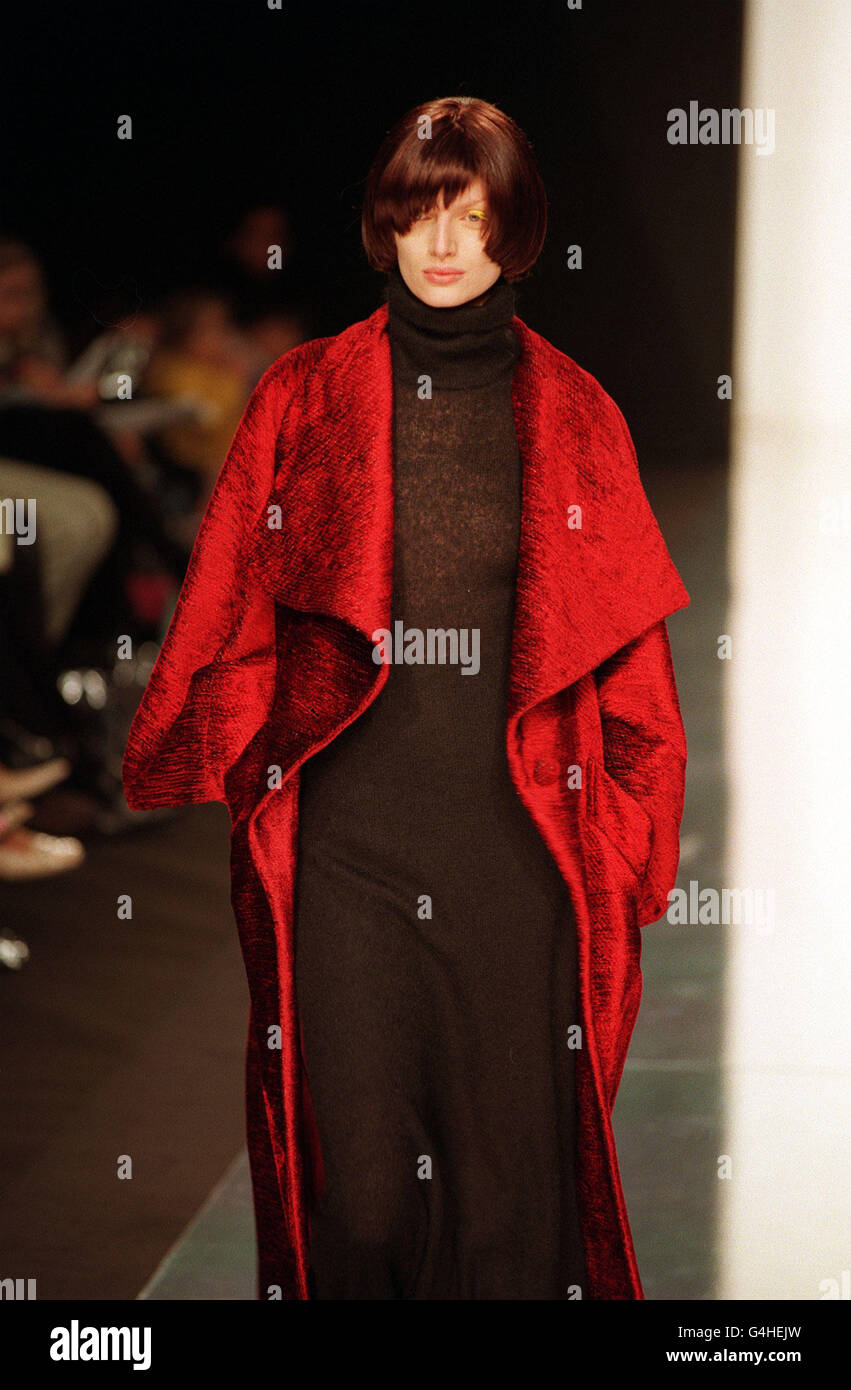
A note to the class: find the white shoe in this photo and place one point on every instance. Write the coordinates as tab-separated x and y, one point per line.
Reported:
32	854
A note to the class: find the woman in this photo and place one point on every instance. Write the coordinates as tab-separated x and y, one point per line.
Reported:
421	655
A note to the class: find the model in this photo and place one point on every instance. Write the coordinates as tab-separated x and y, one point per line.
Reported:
420	653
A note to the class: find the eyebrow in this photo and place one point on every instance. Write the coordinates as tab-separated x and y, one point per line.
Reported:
470	203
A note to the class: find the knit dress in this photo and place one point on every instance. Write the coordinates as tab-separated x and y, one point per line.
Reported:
435	947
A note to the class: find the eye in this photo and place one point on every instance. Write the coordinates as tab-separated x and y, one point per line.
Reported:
477	215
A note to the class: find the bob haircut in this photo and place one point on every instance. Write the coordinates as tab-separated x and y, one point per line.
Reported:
443	146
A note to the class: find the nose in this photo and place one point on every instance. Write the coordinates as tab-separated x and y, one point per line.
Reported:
442	239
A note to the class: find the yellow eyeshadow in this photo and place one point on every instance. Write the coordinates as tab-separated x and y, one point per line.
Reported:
478	213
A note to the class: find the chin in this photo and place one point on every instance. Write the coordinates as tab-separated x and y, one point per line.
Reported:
443	296
448	296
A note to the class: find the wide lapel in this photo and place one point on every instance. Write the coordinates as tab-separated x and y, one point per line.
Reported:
583	591
333	494
593	572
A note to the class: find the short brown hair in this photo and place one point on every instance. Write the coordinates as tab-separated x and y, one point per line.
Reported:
468	139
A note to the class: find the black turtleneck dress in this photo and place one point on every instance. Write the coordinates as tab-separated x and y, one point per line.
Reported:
435	943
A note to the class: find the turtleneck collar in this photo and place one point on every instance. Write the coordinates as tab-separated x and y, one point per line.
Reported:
465	345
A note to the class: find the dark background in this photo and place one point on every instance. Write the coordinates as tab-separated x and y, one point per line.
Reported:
234	103
132	1041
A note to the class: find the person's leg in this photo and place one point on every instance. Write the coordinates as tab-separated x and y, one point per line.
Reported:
70	442
76	525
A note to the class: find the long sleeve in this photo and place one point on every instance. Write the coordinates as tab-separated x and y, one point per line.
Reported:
212	684
645	757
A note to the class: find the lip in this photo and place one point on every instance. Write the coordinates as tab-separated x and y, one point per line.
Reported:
441	277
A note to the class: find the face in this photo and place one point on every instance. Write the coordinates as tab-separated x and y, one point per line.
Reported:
261	228
442	257
22	297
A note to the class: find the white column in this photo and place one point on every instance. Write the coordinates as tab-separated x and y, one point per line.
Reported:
785	1214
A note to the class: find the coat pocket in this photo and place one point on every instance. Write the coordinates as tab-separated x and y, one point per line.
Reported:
625	824
237	696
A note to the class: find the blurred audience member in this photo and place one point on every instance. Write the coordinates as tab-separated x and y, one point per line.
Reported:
32	351
46	419
76	524
201	361
259	276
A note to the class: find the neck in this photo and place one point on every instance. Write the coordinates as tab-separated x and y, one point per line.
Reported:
463	345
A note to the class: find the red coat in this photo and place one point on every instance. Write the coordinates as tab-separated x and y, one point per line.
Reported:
268	658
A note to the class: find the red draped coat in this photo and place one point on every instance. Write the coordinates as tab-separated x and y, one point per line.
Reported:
268	658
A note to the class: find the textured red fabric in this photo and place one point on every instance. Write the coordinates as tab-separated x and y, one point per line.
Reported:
268	658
